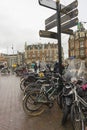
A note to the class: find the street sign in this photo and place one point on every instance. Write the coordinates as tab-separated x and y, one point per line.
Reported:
67	25
64	18
69	16
52	18
70	7
52	5
49	34
49	4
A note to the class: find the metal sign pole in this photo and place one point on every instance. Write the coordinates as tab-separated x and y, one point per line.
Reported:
58	5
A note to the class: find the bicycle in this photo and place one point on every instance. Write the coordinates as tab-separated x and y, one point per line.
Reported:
35	101
78	109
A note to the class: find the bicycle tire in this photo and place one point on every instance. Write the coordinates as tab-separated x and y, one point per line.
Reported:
59	100
66	110
22	87
76	120
32	87
32	108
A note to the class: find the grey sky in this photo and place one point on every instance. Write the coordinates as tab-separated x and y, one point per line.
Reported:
21	20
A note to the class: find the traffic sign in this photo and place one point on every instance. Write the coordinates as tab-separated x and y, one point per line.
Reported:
49	34
49	4
66	25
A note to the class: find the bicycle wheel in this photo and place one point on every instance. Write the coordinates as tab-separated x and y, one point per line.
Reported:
31	87
30	106
22	87
66	111
59	100
77	119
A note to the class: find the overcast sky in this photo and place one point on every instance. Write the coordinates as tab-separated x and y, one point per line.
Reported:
21	20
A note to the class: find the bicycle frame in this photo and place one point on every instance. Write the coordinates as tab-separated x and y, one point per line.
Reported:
48	93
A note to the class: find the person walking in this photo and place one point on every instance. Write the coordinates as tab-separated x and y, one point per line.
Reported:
56	67
35	67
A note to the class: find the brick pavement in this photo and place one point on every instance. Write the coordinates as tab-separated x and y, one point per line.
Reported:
12	116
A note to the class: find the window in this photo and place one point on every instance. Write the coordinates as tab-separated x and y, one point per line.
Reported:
82	34
76	36
76	45
72	53
71	37
77	53
82	52
71	45
81	44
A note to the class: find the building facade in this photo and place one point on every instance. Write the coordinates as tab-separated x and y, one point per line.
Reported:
42	52
3	58
77	45
20	58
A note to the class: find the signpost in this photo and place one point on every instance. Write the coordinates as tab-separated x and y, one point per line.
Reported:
64	18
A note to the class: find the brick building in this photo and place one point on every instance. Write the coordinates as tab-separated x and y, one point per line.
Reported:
42	52
77	45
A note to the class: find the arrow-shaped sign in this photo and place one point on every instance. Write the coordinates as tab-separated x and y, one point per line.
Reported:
64	18
64	26
49	4
69	7
52	5
49	34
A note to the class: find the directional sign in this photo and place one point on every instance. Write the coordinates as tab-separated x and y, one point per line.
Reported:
49	4
69	16
49	34
70	7
64	18
69	24
51	19
52	5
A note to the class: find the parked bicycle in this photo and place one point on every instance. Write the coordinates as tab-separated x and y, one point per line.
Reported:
36	101
79	108
34	79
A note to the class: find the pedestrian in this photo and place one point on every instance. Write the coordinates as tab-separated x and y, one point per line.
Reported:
48	67
56	67
39	66
35	67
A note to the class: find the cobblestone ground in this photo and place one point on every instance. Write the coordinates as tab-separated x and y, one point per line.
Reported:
12	116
